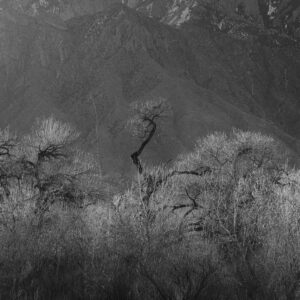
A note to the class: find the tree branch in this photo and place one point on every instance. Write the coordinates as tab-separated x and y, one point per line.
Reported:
135	156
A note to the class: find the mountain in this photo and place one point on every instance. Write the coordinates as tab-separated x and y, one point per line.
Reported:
283	15
65	9
89	69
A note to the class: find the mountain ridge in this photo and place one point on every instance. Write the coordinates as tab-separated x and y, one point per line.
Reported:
89	72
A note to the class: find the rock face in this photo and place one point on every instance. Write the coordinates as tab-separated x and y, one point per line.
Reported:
283	15
88	70
75	8
65	9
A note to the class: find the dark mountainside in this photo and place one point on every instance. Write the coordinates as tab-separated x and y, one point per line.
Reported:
218	69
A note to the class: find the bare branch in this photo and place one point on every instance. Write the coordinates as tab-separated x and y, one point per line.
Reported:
136	154
51	152
144	124
199	172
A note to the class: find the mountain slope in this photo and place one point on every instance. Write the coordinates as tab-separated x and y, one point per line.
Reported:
283	15
89	69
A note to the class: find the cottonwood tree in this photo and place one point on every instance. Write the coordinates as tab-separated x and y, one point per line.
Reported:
234	161
218	168
229	193
45	167
8	142
144	125
46	181
237	205
154	228
157	231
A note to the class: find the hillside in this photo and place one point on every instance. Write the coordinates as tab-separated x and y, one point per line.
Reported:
88	70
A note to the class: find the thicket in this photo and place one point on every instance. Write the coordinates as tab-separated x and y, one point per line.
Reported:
221	222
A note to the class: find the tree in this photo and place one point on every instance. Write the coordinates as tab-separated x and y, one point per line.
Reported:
144	126
234	192
234	161
45	167
238	207
46	183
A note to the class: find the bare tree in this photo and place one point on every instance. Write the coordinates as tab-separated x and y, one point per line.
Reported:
47	166
144	124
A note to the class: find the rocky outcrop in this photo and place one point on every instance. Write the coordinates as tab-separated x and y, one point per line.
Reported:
282	15
65	9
